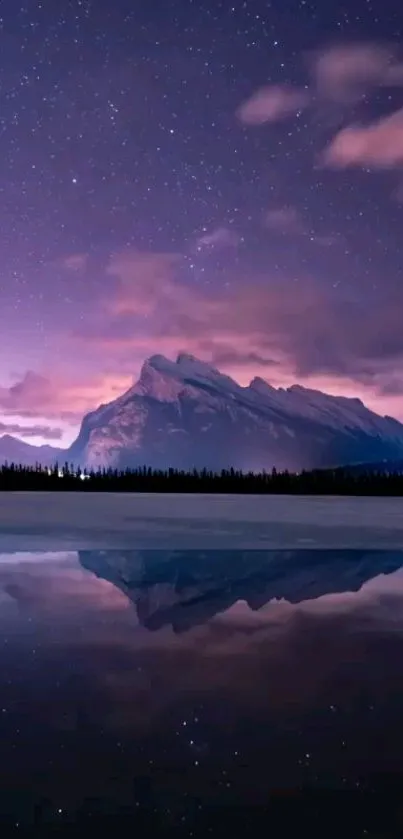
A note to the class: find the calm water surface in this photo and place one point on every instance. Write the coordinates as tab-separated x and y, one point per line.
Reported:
202	693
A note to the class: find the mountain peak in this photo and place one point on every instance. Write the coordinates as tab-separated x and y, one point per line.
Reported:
157	361
261	386
187	362
157	379
184	365
186	358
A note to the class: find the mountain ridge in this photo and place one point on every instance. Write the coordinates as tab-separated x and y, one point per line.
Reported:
14	450
187	414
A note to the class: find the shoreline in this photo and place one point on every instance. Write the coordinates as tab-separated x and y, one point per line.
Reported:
75	520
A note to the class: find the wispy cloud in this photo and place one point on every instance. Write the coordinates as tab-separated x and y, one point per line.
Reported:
227	356
29	431
344	73
285	220
142	278
75	262
289	221
272	103
218	237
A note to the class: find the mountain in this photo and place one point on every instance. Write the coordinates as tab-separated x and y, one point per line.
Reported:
186	414
383	467
13	450
187	588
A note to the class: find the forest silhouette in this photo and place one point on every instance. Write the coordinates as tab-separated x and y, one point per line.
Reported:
341	481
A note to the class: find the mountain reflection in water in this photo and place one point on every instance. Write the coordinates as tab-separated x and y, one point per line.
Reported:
197	693
185	588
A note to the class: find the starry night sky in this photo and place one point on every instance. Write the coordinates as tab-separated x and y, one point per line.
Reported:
223	178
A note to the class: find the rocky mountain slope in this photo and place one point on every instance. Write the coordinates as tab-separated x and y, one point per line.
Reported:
187	414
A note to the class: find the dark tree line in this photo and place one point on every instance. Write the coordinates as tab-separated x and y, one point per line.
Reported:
14	477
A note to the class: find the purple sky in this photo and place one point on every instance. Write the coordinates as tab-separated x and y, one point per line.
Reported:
222	179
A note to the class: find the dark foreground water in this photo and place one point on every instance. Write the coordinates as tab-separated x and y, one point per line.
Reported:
202	694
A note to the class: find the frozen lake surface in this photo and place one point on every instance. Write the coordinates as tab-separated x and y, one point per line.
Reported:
64	521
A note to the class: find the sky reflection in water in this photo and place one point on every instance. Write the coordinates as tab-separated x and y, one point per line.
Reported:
200	691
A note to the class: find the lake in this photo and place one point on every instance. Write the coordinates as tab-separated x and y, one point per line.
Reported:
202	692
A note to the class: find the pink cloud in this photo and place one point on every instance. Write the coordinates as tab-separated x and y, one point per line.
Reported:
378	145
54	397
142	278
272	103
343	73
299	329
32	390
